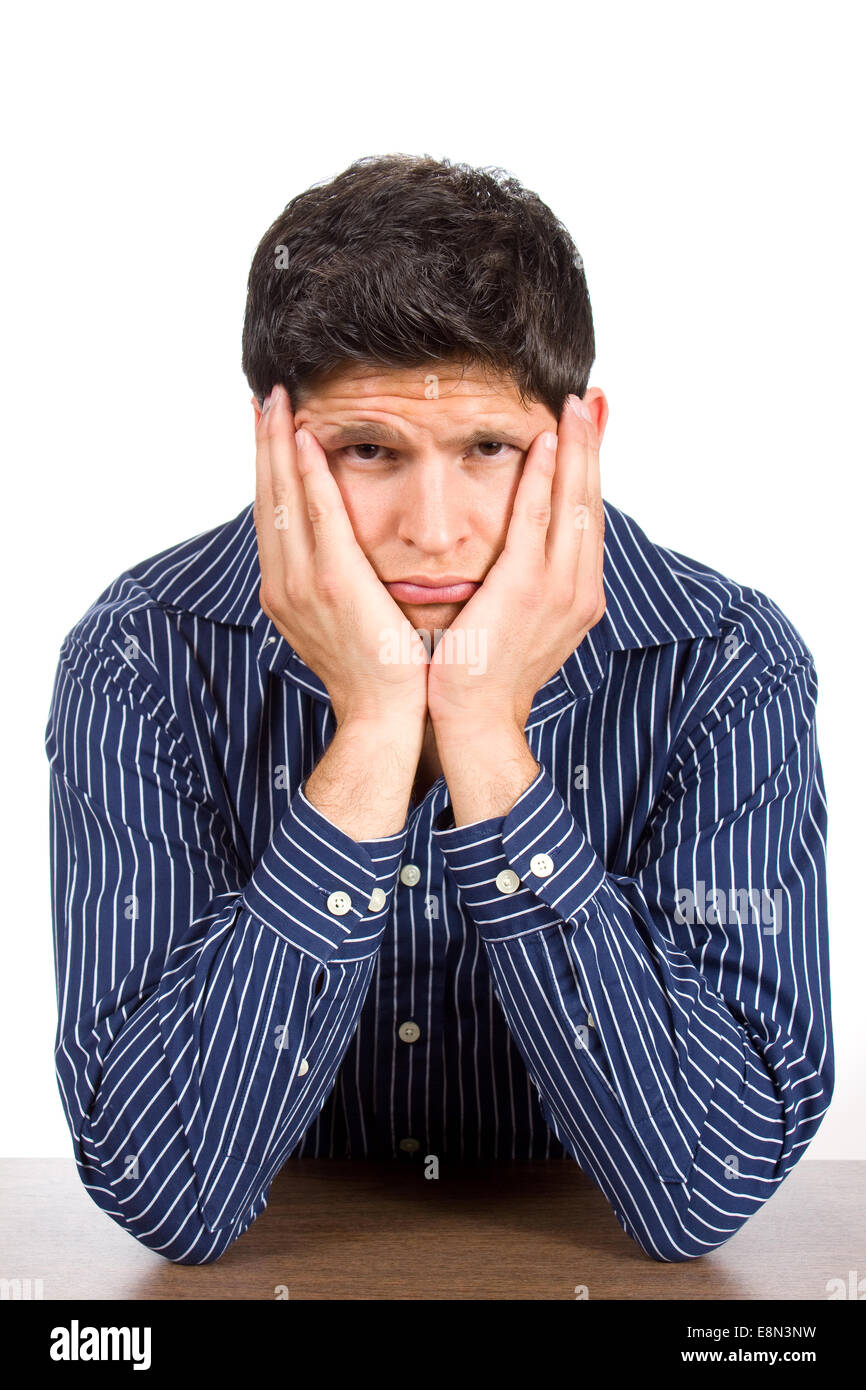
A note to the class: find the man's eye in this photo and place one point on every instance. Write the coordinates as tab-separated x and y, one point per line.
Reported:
367	458
371	457
493	444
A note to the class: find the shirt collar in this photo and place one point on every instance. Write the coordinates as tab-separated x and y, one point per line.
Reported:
654	596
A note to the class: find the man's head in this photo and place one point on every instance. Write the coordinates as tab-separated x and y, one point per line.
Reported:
439	302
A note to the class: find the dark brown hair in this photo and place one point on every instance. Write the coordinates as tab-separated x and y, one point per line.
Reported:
409	261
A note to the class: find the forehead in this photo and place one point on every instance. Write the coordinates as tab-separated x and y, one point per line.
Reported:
400	389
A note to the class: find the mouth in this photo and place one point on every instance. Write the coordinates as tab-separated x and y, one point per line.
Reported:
406	591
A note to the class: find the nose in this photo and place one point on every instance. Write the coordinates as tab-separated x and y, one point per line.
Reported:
434	508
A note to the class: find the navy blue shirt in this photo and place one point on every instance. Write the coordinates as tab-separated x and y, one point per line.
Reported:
628	970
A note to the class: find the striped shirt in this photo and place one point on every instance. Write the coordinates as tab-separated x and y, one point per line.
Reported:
628	970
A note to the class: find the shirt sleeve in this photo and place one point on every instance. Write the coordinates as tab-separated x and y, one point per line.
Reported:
203	1013
675	1018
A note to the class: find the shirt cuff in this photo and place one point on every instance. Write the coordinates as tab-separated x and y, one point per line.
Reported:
525	870
320	889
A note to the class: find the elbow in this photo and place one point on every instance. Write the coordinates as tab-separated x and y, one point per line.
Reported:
682	1224
196	1242
193	1245
680	1243
180	1237
203	1253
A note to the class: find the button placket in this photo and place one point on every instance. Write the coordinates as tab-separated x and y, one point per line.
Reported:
417	912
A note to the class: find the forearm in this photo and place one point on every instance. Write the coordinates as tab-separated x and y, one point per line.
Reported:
363	783
212	1083
168	1113
487	767
186	1089
683	1172
686	1111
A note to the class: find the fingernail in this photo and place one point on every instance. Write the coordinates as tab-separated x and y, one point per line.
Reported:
267	403
580	408
548	439
300	438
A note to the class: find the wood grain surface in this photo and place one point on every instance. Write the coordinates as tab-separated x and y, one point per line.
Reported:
374	1230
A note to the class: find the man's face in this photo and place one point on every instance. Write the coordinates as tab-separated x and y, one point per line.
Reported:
429	481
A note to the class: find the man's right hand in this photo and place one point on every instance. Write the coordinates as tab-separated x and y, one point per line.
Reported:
318	587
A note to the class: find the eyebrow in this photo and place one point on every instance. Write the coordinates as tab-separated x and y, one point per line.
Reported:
373	432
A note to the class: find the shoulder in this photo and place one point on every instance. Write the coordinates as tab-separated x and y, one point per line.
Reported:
658	594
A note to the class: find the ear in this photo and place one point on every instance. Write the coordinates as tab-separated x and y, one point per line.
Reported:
597	402
257	407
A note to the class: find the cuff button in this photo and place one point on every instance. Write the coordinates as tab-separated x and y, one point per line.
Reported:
339	903
377	900
507	881
541	864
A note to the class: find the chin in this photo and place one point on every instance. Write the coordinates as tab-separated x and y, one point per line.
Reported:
432	615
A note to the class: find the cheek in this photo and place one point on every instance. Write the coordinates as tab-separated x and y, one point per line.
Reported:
492	503
364	508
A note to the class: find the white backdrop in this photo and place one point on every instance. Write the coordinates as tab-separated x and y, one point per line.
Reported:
708	162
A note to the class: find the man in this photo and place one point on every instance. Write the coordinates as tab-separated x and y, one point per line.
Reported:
427	807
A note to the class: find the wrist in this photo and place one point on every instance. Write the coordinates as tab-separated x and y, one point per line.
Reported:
452	729
404	719
486	766
399	730
479	749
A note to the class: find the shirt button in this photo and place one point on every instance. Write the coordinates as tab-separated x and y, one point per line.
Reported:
304	1067
507	881
269	641
339	903
410	874
409	1146
541	864
377	900
409	1032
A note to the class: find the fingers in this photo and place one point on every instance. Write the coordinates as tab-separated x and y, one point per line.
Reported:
595	501
301	520
588	511
569	501
531	512
557	525
335	543
285	529
268	541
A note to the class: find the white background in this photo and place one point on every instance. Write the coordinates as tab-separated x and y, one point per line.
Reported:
708	161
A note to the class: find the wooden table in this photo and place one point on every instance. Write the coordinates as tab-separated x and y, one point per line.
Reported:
373	1230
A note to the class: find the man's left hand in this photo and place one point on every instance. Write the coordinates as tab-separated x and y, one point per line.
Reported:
540	598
